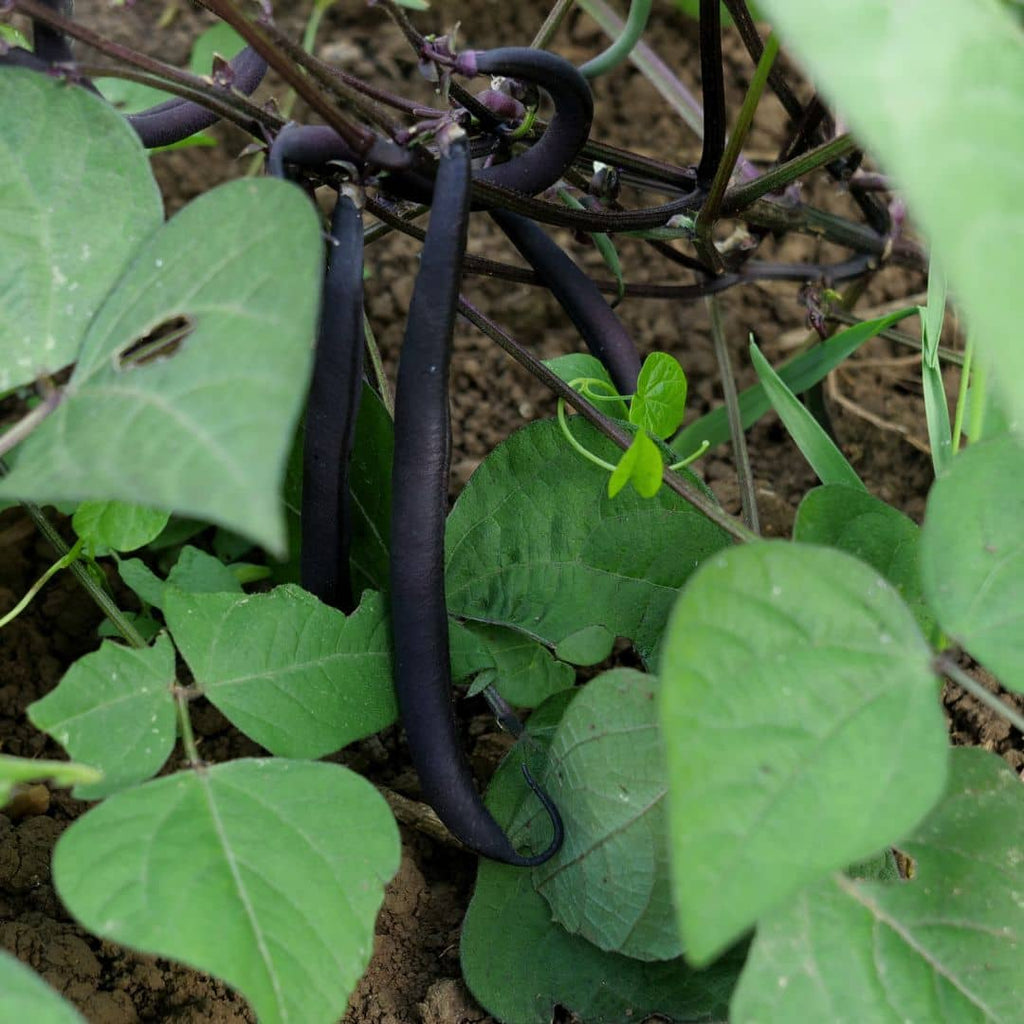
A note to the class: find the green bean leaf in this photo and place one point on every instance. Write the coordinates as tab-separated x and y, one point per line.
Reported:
660	400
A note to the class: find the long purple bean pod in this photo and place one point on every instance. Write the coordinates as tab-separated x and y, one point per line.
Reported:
579	296
49	44
419	613
331	412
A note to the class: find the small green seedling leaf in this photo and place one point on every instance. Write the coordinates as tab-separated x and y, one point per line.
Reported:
610	882
583	366
24	996
107	526
587	646
816	446
640	466
784	668
520	965
554	555
972	555
114	708
197	363
523	671
660	400
267	873
60	256
799	374
295	675
854	521
16	770
944	945
142	580
10	35
943	110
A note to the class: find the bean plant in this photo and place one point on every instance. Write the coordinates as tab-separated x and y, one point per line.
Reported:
755	814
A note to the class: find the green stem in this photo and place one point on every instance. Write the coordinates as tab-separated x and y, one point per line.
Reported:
585	452
693	457
61	563
81	573
614	55
710	209
947	667
732	408
738	198
979	384
188	738
552	23
961	395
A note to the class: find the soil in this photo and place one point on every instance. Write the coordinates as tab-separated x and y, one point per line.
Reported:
875	404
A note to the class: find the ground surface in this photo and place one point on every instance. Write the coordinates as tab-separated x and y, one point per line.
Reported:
876	406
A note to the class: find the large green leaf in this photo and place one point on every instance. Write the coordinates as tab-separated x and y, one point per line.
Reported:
935	88
298	677
945	946
972	555
520	965
802	729
610	881
553	555
77	198
24	996
114	708
854	521
199	422
266	873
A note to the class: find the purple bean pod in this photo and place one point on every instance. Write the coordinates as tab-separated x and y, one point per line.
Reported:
419	613
577	294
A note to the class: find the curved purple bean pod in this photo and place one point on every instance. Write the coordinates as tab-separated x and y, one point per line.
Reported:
419	613
579	296
331	412
551	156
177	119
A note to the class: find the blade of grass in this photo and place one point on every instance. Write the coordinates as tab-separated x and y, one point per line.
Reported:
935	406
827	461
799	374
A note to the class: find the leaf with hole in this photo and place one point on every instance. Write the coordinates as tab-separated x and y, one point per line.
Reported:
943	946
202	418
114	708
850	519
783	666
972	555
298	677
59	256
266	873
554	555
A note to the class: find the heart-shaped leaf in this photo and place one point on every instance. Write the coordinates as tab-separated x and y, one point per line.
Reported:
191	376
267	873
